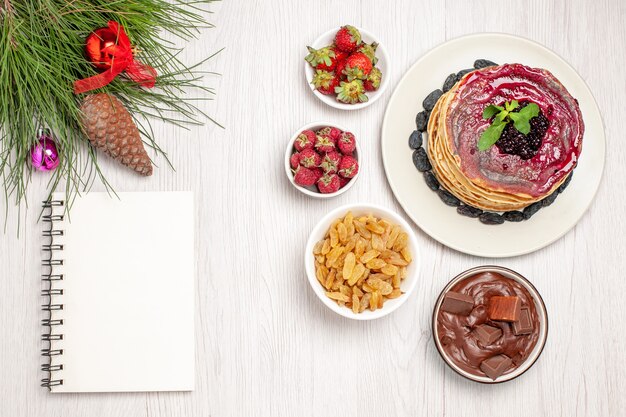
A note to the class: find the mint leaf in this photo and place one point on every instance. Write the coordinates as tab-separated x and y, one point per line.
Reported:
512	105
491	135
530	111
521	119
491	110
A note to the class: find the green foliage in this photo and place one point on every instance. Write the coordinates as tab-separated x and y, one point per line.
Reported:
42	54
501	117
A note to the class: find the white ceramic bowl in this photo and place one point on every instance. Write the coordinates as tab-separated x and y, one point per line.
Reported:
383	64
313	191
541	313
317	234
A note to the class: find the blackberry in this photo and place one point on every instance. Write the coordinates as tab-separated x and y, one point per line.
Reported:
514	142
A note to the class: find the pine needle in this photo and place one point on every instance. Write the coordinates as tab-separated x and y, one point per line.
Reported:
42	54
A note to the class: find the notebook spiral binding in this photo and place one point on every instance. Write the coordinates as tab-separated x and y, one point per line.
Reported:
51	292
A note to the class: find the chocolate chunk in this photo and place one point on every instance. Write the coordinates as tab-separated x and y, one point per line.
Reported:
487	334
525	323
495	366
505	308
457	303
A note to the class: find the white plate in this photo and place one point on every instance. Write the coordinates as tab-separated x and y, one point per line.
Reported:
362	209
382	64
443	223
313	191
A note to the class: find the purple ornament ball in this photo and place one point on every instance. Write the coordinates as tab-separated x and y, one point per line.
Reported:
44	155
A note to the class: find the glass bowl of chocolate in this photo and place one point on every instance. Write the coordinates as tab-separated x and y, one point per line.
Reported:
490	324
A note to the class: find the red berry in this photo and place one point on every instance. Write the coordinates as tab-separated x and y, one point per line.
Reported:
329	183
305	177
343	182
310	159
346	143
358	66
348	167
324	143
330	162
339	69
321	59
347	38
305	140
325	82
373	80
334	133
294	161
319	172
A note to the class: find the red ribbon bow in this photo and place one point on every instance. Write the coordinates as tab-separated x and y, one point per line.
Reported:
122	60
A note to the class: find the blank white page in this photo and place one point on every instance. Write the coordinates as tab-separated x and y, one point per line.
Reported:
128	300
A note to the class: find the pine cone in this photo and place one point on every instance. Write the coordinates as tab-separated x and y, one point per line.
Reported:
110	127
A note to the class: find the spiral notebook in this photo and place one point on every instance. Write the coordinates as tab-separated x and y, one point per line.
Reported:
119	293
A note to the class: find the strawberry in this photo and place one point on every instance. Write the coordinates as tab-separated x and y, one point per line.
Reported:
294	161
339	54
321	59
325	82
358	66
304	177
324	143
340	69
334	134
369	50
348	167
328	184
373	80
348	38
343	182
351	92
310	159
346	143
330	162
305	140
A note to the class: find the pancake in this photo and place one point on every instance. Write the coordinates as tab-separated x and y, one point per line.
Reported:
492	180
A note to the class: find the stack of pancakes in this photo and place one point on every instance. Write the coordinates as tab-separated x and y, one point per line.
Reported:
484	190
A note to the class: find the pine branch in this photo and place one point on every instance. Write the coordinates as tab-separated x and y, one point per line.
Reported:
42	54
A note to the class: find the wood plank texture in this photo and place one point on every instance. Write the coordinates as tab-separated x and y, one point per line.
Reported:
265	345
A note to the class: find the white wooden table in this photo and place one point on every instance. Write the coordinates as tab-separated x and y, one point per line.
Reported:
265	344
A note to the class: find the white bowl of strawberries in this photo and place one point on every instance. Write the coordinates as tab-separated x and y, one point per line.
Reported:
347	68
322	160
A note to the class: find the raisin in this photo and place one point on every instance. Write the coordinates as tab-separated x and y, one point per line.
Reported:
431	99
469	211
461	73
420	159
563	186
531	210
491	218
421	120
431	180
415	140
483	63
549	199
449	83
513	216
448	198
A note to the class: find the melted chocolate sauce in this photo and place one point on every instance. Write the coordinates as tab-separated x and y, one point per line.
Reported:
455	331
